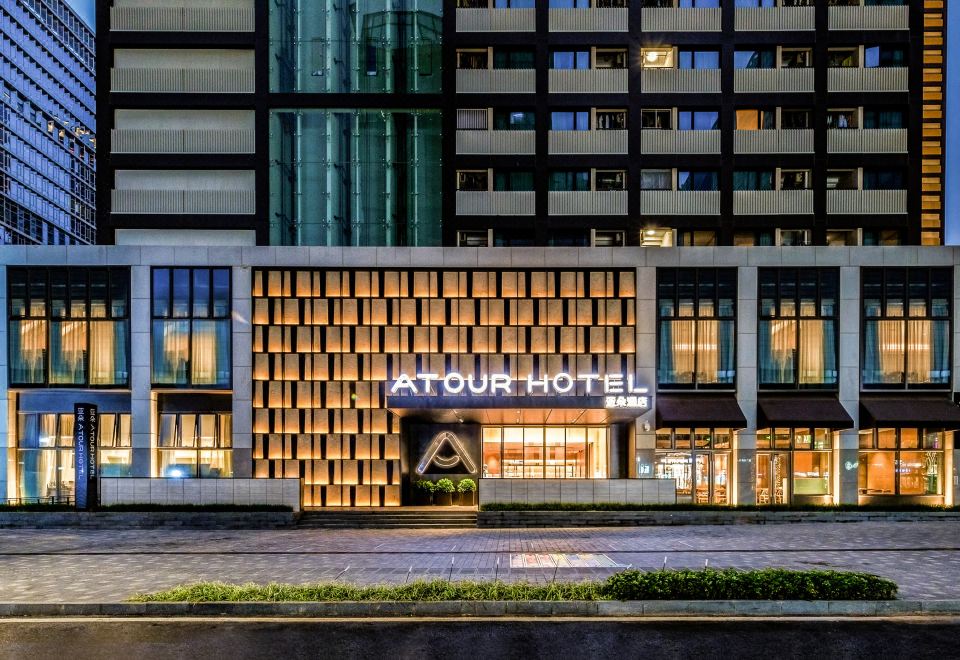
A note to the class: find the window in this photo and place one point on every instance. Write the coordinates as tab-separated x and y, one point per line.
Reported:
698	59
191	327
605	180
45	458
472	59
570	180
569	4
68	326
570	120
698	180
883	179
545	452
611	120
798	328
698	120
698	460
570	59
795	179
696	237
657	58
843	58
656	180
796	119
696	316
512	180
473	180
514	120
883	118
906	327
192	445
884	56
842	180
757	58
884	237
846	118
798	465
756	120
610	58
753	180
796	58
658	119
514	58
905	462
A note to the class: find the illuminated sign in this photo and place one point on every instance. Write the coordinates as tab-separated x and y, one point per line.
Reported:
617	390
459	456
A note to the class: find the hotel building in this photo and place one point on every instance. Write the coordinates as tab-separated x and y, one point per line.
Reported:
753	308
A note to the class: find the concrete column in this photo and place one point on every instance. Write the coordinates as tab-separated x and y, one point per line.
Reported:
952	469
745	454
645	435
846	454
142	404
6	399
242	373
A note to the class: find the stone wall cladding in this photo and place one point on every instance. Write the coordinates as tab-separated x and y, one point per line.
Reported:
666	518
149	519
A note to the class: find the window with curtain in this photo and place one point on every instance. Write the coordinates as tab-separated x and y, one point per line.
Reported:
68	326
696	315
797	328
191	327
903	461
195	445
906	327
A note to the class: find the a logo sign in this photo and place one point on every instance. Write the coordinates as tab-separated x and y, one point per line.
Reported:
437	453
618	390
85	422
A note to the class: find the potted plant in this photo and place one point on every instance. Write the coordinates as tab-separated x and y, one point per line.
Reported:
467	489
443	492
423	491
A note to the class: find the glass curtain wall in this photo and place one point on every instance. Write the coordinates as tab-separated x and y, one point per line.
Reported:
798	328
696	309
551	452
906	327
68	326
192	445
698	460
904	462
793	464
355	177
191	327
368	46
45	460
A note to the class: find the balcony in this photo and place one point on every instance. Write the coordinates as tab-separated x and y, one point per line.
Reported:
867	141
588	81
471	202
774	80
679	202
653	141
680	19
782	141
869	18
217	192
496	143
880	79
679	81
496	20
774	19
601	202
773	202
182	141
595	19
496	81
587	142
182	80
167	16
860	202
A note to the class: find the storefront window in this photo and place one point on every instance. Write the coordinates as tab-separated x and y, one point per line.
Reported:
191	327
798	467
698	460
906	327
545	452
885	469
68	326
798	328
45	461
696	316
193	445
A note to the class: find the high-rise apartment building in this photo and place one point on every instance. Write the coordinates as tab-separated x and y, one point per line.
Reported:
47	124
510	122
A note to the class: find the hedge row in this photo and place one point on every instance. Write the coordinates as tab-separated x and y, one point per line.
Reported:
707	584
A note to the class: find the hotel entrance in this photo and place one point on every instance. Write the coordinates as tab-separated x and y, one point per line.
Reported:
698	460
545	452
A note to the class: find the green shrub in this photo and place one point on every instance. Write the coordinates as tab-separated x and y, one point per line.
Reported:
444	486
467	486
424	486
730	584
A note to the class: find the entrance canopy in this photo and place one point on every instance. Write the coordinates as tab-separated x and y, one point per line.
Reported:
683	410
802	411
908	411
509	409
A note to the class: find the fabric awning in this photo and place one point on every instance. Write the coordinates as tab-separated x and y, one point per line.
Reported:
899	411
802	411
682	410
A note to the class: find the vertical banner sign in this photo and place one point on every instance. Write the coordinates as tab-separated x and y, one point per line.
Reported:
86	482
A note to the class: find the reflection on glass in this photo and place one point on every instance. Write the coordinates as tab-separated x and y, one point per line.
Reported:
551	452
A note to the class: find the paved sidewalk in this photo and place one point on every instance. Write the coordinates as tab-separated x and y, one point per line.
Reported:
93	565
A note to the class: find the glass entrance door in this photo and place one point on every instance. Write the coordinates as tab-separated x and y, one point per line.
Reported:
773	478
712	476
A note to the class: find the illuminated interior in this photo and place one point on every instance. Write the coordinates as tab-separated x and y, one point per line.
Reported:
545	452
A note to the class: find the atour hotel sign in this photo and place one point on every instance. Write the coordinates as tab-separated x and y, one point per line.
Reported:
616	390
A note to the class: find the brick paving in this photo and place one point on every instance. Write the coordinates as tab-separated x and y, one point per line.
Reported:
63	565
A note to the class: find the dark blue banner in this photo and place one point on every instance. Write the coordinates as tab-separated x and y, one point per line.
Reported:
86	481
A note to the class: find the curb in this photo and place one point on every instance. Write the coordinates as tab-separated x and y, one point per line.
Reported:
454	609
